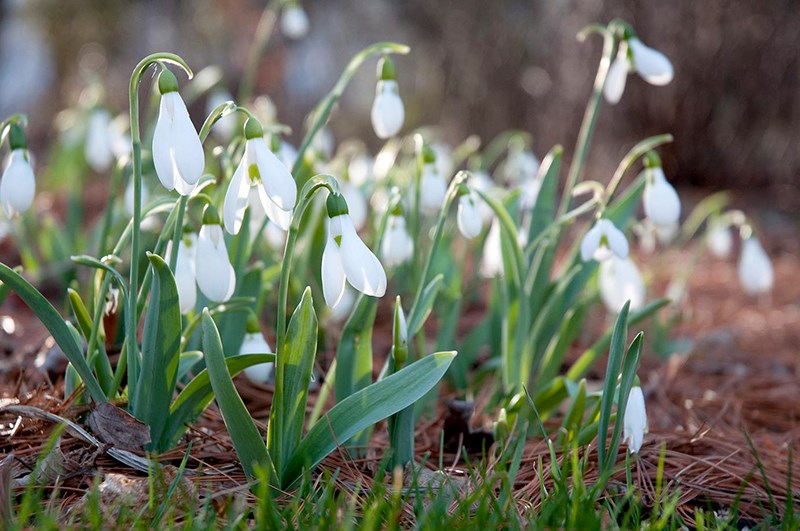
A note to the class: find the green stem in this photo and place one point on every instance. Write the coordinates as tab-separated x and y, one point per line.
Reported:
589	119
637	151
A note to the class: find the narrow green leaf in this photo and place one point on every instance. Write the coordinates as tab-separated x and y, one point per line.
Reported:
187	361
55	324
625	383
243	431
80	312
544	211
354	353
161	348
232	326
615	354
364	408
419	314
101	363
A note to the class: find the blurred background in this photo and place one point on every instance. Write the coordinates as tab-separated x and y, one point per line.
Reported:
476	67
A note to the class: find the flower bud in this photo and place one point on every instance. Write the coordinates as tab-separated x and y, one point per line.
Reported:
294	21
755	268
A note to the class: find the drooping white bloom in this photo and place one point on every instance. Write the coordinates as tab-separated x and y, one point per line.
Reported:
215	275
388	112
262	176
635	425
521	166
617	75
347	257
18	185
177	151
468	216
719	240
433	189
356	204
482	182
529	193
255	343
652	65
294	21
755	268
661	202
287	154
341	311
98	147
620	281
185	271
492	259
120	140
603	240
360	169
397	247
225	127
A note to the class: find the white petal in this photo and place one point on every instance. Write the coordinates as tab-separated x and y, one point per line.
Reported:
98	141
444	160
342	310
278	182
617	76
388	112
282	218
468	218
620	281
287	154
361	267
617	241
433	189
236	200
652	65
360	169
591	242
755	268
492	259
187	151
254	343
185	273
635	424
397	246
294	22
215	274
333	275
661	202
720	241
162	146
18	185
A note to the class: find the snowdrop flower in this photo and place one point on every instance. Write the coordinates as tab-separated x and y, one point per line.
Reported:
755	268
433	188
482	182
652	65
635	425
347	258
603	240
397	247
468	217
617	75
225	127
521	167
719	240
356	203
260	179
341	312
255	343
492	259
443	158
215	275
98	146
360	169
185	271
177	151
388	112
662	205
620	281
294	21
17	186
120	140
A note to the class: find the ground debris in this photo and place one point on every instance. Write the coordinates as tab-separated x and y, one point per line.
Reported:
113	425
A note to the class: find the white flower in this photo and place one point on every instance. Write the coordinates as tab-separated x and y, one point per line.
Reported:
287	154
444	159
98	147
521	167
356	204
603	240
225	127
482	182
635	425
120	140
397	247
260	179
254	343
185	271
492	260
215	275
177	151
652	65
347	257
128	198
529	193
661	202
433	189
617	75
719	240
388	113
342	310
755	268
620	281
468	217
294	21
360	169
18	186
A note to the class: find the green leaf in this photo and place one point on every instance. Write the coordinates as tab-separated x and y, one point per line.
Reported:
187	361
354	353
419	314
626	382
161	348
232	326
198	394
101	363
243	431
615	354
544	211
55	324
363	409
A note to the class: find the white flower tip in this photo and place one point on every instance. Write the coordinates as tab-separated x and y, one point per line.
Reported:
388	113
294	21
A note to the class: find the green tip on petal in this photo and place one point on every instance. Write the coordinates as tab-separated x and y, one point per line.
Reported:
652	160
386	70
253	129
337	206
16	137
167	82
211	215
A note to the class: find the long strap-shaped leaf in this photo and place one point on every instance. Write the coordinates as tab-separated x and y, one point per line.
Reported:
615	355
161	347
364	408
54	323
243	431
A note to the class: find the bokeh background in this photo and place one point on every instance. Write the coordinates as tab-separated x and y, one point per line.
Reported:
476	67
